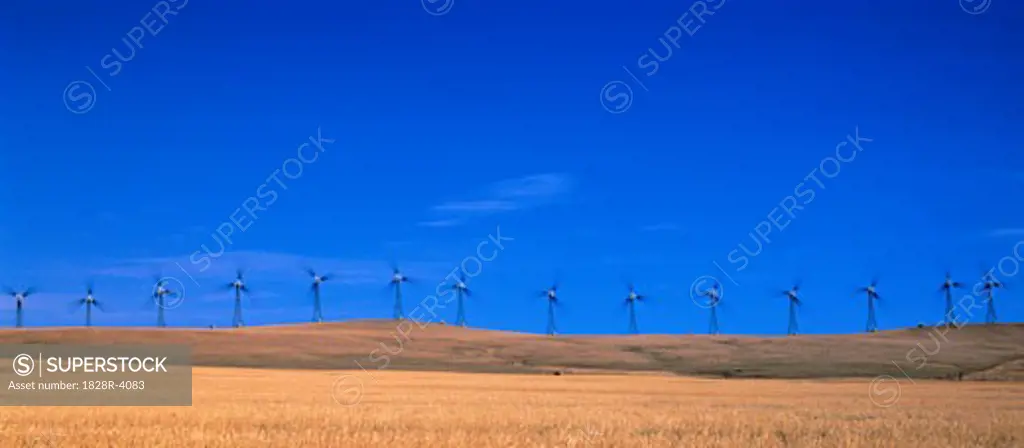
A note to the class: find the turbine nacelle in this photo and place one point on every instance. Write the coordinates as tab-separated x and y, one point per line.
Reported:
713	294
992	284
162	290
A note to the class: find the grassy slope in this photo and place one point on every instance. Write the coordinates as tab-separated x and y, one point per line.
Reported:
979	352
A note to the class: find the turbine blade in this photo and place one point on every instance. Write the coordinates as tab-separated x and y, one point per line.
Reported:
28	292
96	304
75	304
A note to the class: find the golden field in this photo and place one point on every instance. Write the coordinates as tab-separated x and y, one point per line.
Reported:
236	407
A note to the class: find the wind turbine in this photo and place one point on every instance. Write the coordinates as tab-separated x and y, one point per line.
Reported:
318	314
872	292
89	301
397	278
947	287
714	296
239	286
461	291
552	295
160	292
631	300
19	301
794	301
990	286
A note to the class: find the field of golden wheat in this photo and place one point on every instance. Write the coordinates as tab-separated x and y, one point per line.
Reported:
280	408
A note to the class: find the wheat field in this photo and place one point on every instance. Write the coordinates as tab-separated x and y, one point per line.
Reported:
281	408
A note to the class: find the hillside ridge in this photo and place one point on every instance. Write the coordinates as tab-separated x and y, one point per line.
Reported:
974	352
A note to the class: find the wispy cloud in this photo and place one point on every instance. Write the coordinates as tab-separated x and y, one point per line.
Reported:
477	206
660	227
1007	232
537	185
264	264
504	196
440	223
109	217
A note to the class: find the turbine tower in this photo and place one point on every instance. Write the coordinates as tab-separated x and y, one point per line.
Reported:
552	295
160	293
794	301
947	287
631	300
990	286
89	301
397	278
461	292
318	313
239	286
714	296
872	293
19	303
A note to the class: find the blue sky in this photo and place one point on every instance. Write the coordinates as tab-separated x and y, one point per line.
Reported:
446	127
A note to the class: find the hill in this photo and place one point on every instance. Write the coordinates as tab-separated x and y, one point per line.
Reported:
973	352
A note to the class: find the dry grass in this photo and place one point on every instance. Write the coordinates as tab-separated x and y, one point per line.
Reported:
277	408
995	352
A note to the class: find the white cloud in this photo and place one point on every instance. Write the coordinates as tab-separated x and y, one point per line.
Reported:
537	185
504	196
274	265
440	223
1007	232
265	265
477	206
660	227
